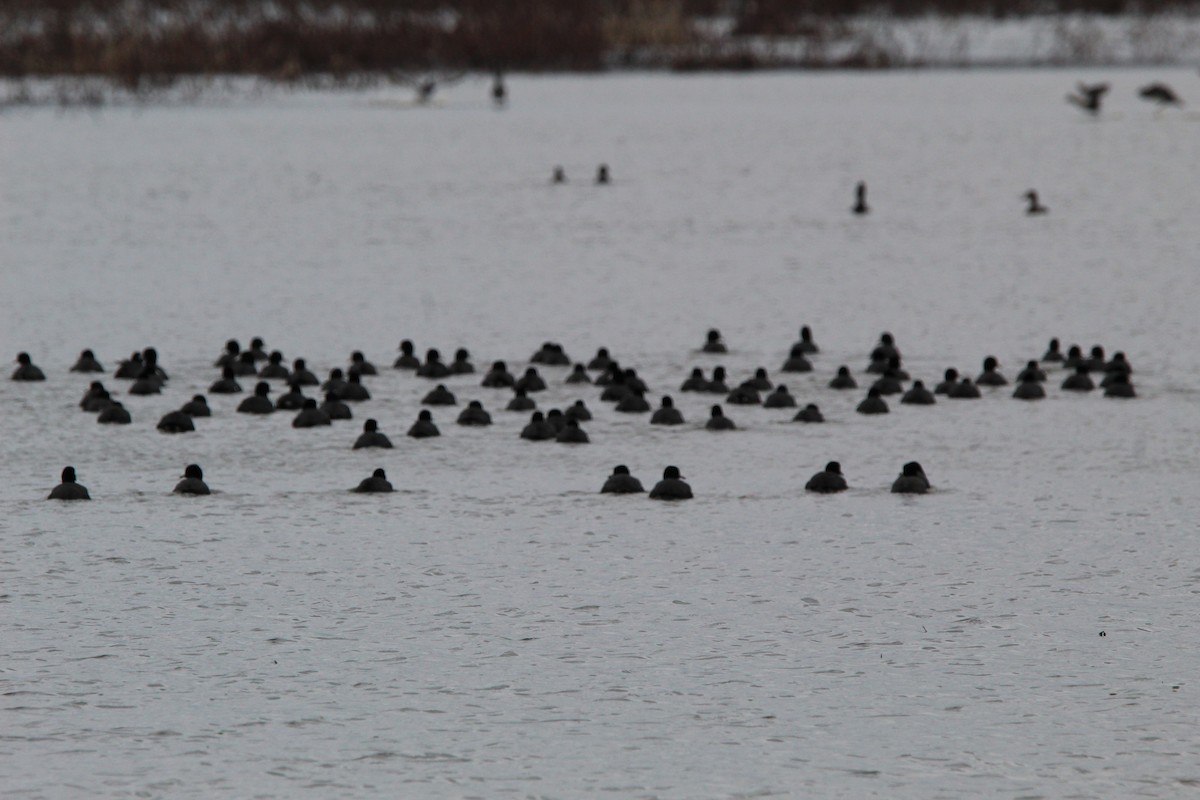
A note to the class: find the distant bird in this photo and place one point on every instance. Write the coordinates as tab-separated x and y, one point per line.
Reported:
559	176
1088	97
1160	93
499	92
1035	207
860	199
602	173
425	90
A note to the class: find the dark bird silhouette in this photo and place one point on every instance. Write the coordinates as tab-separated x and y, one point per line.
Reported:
1160	93
499	92
1035	207
1088	97
860	199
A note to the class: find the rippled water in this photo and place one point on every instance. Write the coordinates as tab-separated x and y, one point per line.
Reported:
496	627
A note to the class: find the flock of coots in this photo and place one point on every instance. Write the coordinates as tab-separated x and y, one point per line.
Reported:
620	386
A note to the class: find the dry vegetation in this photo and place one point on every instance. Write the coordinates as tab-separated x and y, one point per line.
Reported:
144	44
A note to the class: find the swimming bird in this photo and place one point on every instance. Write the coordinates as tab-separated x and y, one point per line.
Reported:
310	416
193	481
95	398
439	396
717	384
227	384
621	482
634	402
291	400
559	175
1080	381
601	360
377	483
860	199
26	370
227	358
130	367
69	489
873	403
372	437
1053	353
965	389
87	363
666	413
780	398
572	433
302	375
406	359
461	365
359	365
520	402
176	422
578	410
245	365
1035	207
602	174
424	428
474	414
1119	386
274	368
551	354
259	402
335	381
882	353
696	382
578	375
912	480
843	379
334	408
810	413
114	414
1088	96
353	391
498	377
918	395
531	381
258	349
538	429
1032	372
744	395
499	91
991	375
196	407
433	368
1029	389
713	343
671	487
828	480
806	343
717	421
948	384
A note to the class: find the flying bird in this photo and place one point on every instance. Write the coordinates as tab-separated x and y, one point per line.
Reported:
1160	93
1088	97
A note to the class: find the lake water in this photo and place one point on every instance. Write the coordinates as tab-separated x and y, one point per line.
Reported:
497	628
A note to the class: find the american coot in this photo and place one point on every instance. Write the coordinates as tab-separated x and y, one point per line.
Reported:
621	482
828	480
193	481
69	489
671	487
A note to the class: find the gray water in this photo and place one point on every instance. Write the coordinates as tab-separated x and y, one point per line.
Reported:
496	628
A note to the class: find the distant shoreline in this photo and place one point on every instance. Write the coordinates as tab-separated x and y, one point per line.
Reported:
173	49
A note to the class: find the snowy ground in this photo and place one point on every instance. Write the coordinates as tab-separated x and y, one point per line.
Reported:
496	627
